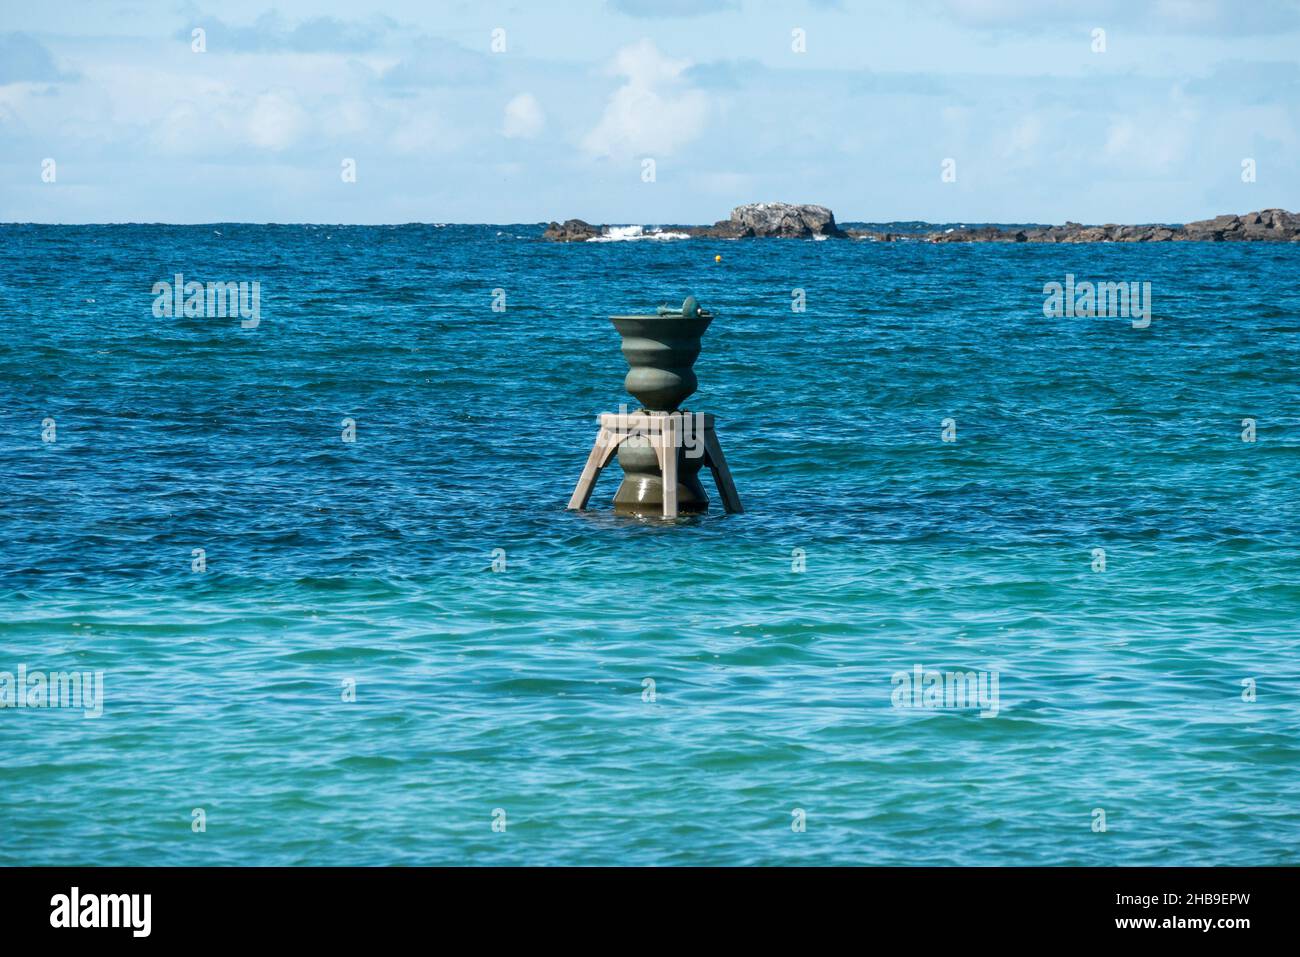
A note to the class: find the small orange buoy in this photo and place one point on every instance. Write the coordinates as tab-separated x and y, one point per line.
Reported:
717	259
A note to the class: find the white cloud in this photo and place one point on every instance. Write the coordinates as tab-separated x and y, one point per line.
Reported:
275	122
1209	17
422	132
726	183
524	117
193	112
671	8
1150	143
1025	135
655	112
431	123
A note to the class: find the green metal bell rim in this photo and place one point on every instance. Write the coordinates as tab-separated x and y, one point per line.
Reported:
689	309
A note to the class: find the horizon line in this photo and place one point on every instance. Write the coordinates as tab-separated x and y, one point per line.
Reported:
545	222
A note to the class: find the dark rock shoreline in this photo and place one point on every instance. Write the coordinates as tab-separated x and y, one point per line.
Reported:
785	220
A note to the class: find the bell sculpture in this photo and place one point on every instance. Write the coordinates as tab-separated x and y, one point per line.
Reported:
661	447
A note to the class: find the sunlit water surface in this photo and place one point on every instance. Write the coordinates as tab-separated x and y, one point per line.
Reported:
525	689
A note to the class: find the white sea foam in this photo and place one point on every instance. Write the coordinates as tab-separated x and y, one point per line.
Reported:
626	234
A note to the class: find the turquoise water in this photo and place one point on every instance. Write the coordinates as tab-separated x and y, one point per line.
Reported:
523	689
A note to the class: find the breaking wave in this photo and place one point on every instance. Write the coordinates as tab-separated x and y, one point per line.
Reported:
625	234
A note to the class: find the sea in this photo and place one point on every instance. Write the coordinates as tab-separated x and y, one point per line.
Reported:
1011	587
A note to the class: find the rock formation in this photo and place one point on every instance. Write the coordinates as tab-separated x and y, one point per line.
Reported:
1270	225
786	220
571	231
783	219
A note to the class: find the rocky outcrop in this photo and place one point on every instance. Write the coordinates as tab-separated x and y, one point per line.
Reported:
571	231
786	220
1269	225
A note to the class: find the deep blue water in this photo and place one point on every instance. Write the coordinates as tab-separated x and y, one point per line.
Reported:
522	689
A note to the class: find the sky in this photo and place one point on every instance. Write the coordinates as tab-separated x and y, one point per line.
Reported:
647	111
